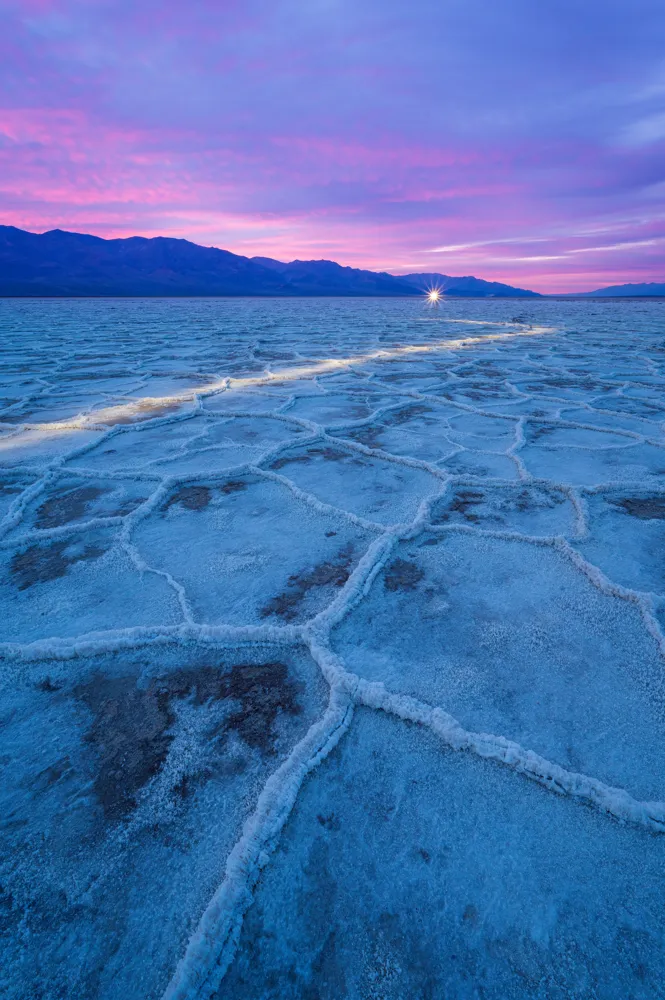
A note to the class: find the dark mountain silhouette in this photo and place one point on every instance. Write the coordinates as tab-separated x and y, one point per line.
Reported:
466	287
60	263
622	291
310	276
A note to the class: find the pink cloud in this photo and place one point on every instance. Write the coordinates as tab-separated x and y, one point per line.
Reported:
369	134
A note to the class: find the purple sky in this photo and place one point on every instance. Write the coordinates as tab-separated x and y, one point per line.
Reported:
518	140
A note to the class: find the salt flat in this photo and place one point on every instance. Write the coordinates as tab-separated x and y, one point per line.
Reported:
331	638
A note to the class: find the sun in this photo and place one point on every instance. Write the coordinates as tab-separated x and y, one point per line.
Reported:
433	296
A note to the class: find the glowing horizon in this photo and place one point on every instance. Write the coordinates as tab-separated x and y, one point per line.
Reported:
526	148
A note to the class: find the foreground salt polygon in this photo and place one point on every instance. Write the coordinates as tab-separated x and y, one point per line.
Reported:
240	538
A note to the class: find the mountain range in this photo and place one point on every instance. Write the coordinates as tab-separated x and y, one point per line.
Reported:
467	287
59	263
626	291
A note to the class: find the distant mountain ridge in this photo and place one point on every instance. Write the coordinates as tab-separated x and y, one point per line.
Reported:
642	290
59	263
467	287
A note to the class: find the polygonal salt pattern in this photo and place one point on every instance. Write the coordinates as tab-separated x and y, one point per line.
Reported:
530	509
331	408
331	649
12	486
248	400
116	826
595	465
417	430
33	447
368	487
78	583
482	464
249	550
511	638
138	448
69	500
626	536
409	870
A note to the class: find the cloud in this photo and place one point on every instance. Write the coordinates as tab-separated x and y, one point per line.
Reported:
361	131
645	131
617	246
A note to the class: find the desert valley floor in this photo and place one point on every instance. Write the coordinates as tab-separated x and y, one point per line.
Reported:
331	650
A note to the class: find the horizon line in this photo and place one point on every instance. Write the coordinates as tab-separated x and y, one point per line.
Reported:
303	260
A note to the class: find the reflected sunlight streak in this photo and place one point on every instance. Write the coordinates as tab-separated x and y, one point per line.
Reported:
135	410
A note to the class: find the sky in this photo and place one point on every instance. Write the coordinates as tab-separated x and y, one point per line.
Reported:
516	140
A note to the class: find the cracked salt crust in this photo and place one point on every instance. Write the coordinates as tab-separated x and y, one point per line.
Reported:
357	499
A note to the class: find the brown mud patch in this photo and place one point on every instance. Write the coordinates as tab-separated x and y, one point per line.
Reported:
462	394
574	383
66	506
127	506
232	486
498	503
463	502
131	728
331	573
330	454
329	822
644	508
369	436
191	497
540	431
402	574
9	488
527	500
280	463
403	416
42	563
199	497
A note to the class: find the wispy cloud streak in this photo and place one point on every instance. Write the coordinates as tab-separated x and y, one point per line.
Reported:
344	130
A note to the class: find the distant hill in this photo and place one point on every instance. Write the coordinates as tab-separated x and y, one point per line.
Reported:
620	291
468	287
309	277
60	263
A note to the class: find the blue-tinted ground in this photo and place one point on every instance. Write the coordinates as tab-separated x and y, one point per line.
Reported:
331	650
